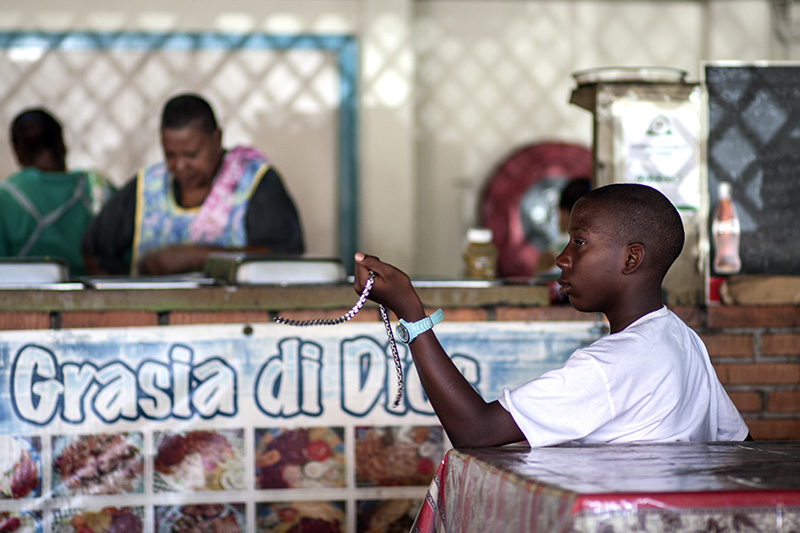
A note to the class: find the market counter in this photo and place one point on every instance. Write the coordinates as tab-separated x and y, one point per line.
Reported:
722	486
754	346
168	297
258	385
134	303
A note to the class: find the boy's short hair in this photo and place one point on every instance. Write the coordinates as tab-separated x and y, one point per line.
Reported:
182	110
643	214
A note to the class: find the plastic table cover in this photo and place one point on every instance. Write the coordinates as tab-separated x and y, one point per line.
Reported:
719	486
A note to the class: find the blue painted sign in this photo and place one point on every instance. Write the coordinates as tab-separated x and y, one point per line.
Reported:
252	420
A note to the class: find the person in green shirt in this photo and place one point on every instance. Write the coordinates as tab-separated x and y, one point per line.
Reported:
45	208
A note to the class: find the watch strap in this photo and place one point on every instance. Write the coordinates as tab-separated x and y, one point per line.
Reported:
414	329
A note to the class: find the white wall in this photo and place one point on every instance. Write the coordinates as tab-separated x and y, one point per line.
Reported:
495	75
450	87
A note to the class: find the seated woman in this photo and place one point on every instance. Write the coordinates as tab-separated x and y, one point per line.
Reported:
44	208
200	199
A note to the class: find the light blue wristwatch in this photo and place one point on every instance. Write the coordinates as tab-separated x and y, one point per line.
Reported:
408	331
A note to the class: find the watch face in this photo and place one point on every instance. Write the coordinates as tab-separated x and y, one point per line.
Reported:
402	333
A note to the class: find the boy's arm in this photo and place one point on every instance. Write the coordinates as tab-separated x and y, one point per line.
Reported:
468	420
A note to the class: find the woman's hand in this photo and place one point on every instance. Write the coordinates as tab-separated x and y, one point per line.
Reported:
174	259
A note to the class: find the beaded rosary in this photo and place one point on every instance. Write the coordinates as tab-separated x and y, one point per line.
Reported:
350	314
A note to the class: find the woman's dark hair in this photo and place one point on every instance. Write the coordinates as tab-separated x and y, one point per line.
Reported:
574	189
184	109
35	131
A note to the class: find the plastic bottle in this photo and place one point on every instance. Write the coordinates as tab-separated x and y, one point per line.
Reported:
726	229
480	255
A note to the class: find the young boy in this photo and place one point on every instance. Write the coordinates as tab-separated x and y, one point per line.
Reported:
650	380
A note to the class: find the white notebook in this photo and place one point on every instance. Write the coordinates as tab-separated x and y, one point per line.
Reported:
33	271
274	270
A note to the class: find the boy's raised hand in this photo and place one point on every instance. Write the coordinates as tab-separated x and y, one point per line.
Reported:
391	288
467	418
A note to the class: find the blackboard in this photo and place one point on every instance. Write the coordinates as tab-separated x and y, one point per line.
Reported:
754	144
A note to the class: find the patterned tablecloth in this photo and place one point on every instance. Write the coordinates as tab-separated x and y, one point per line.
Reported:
715	487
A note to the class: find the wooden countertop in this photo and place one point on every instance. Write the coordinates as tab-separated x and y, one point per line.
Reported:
73	297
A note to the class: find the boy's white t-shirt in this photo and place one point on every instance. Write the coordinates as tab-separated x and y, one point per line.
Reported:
651	382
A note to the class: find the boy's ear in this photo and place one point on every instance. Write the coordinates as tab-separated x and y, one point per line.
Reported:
634	258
